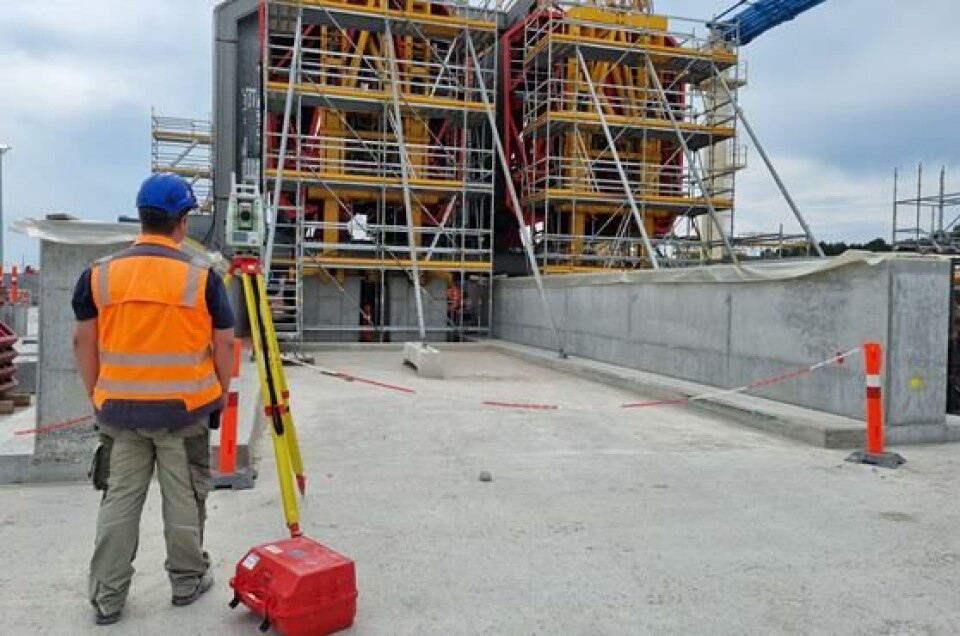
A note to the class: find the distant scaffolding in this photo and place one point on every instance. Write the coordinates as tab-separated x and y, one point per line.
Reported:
621	129
378	155
927	223
183	146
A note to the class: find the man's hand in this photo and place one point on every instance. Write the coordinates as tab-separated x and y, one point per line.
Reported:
223	358
86	351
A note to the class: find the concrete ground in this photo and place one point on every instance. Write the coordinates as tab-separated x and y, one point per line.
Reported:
598	520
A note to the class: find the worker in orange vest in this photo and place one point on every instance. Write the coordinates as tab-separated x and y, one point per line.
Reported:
454	307
154	345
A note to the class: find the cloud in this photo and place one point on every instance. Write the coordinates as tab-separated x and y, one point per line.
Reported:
838	204
77	81
60	63
839	96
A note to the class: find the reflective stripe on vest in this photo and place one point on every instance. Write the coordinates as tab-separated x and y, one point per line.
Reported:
153	359
154	387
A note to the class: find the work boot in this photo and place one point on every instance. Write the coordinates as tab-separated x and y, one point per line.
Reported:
107	619
204	584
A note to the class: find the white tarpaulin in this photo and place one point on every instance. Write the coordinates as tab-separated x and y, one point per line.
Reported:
743	273
100	233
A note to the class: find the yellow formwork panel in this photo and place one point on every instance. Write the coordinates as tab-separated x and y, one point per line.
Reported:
280	87
582	117
169	135
346	262
601	203
349	194
431	24
307	175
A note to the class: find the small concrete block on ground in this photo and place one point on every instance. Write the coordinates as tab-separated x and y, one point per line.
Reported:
424	358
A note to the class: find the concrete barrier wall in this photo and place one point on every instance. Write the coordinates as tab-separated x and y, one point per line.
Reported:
726	334
62	453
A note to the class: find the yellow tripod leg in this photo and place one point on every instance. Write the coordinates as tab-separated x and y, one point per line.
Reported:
280	376
272	404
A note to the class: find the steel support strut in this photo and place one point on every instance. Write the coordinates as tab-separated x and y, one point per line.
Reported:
691	158
770	167
284	136
525	237
405	176
616	160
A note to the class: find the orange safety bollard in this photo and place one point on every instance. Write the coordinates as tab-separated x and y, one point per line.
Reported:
228	422
874	454
14	287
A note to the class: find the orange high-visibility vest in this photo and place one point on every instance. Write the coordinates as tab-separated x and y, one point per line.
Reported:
155	334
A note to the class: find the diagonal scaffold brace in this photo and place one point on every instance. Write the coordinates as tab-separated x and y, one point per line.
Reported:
273	386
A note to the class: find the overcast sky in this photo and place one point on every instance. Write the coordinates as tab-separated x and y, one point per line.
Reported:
839	97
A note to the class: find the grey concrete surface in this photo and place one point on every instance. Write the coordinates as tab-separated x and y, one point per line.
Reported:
61	395
402	308
326	304
727	334
597	520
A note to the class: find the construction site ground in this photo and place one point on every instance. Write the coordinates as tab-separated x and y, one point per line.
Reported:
597	520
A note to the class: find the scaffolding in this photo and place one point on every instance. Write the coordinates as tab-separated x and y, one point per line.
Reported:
912	232
621	130
378	159
184	146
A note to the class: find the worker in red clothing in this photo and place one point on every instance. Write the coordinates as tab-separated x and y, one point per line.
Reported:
154	347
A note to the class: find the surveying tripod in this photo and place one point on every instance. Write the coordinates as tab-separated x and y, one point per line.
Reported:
273	385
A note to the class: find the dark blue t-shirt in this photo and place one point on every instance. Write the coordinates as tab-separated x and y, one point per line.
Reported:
218	302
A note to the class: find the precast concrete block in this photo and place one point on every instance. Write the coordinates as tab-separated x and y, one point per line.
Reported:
61	396
424	358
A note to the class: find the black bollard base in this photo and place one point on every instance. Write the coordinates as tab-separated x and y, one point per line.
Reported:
883	460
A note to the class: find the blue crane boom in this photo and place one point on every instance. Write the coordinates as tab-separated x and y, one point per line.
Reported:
758	18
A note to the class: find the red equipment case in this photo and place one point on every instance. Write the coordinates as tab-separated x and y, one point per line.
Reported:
298	586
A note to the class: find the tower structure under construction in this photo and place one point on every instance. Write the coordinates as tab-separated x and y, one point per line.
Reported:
620	129
374	145
400	144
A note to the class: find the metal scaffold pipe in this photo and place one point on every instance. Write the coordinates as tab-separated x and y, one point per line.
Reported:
284	136
514	199
616	160
4	149
893	239
770	167
405	177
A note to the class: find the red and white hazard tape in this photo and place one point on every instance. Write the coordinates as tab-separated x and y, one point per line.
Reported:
873	385
53	427
775	379
349	377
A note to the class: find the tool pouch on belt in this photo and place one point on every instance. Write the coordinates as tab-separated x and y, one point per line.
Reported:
100	466
214	422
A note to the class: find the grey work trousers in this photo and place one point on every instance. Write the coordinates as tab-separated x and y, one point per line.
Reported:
182	458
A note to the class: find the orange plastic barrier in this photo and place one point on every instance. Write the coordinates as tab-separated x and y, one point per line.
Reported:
874	453
228	423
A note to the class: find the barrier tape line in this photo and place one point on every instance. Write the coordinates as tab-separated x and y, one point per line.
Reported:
349	377
775	379
521	405
52	427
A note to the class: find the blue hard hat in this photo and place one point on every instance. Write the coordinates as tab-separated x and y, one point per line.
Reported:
168	192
